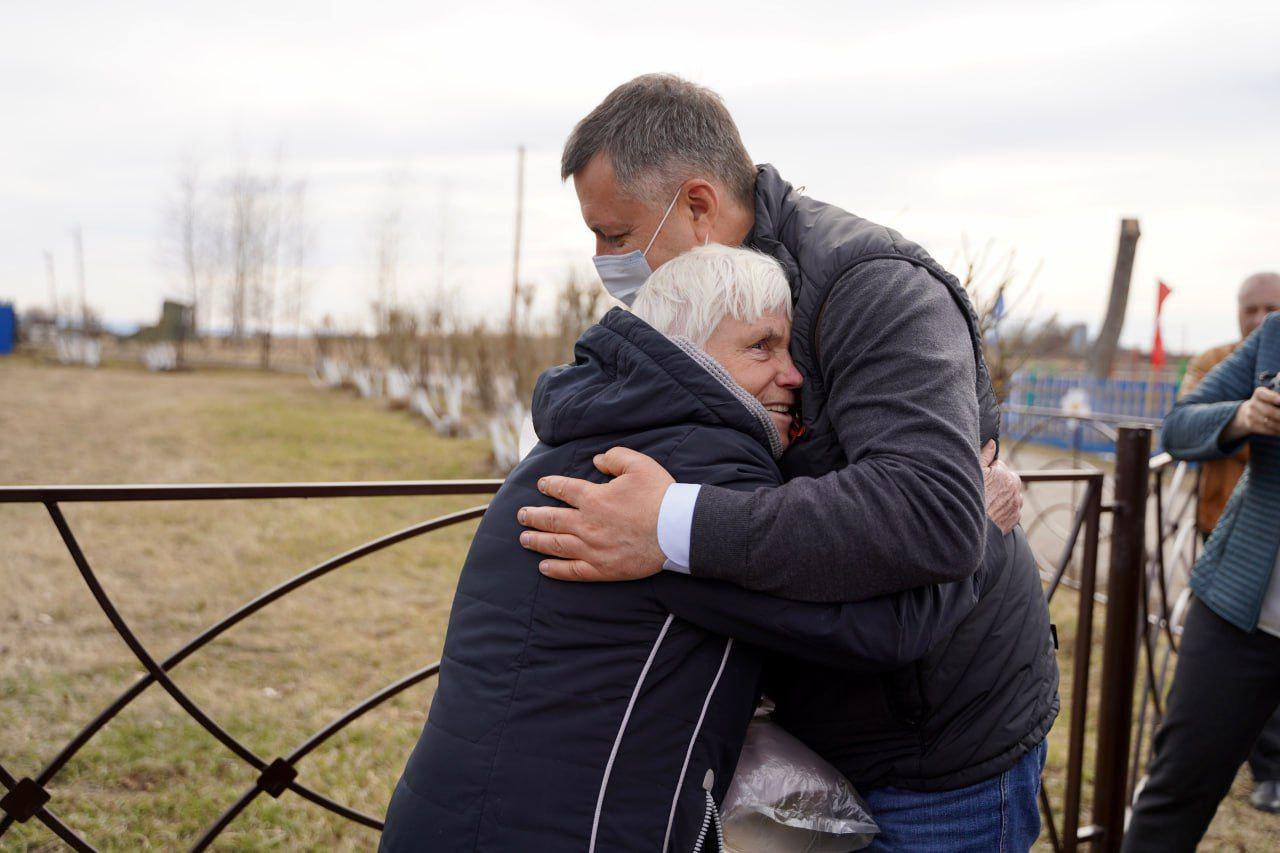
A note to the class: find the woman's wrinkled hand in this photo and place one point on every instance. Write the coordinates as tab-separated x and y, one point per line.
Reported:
1003	488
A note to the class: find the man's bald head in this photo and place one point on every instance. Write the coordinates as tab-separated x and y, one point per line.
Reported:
1259	296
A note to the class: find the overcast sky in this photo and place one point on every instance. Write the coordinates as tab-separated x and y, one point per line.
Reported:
1032	125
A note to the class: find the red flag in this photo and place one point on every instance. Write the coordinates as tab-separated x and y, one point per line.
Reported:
1157	345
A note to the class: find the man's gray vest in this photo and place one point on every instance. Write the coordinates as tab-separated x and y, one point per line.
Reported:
979	701
819	245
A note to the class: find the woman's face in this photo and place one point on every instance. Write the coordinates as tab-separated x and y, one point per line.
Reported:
756	356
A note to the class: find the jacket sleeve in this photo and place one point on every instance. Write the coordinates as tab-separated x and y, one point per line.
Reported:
907	509
881	634
877	635
1192	429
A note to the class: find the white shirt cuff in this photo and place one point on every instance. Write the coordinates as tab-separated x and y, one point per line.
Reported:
675	525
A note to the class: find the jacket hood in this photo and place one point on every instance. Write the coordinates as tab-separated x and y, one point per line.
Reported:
628	377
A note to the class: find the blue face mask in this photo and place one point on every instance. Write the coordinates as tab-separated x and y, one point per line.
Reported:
624	275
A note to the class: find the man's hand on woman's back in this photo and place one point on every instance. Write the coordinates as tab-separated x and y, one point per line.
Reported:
609	532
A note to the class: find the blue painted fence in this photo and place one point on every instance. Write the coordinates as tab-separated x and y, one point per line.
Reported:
1136	398
8	328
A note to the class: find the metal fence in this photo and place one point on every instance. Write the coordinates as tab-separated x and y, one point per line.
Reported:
1142	584
1141	625
28	797
1127	511
1117	400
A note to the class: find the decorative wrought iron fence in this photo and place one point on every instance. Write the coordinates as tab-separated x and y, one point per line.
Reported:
1143	597
29	797
1143	586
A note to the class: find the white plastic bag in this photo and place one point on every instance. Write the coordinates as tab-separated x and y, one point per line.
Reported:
784	797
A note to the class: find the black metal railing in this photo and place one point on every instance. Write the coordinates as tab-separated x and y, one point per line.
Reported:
28	797
1141	628
1087	521
1152	546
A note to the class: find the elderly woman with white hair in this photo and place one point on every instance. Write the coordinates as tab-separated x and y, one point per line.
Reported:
610	716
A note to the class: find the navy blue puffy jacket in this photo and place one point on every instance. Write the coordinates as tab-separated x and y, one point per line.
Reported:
590	716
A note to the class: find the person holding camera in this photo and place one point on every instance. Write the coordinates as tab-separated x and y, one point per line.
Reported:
1227	683
1259	295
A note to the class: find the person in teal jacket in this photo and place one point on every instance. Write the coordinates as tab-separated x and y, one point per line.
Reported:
1227	683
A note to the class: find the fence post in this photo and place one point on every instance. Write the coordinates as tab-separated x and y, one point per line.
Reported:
1120	644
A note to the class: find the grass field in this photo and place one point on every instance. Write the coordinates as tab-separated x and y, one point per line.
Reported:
152	779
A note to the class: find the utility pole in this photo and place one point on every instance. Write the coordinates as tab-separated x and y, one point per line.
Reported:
53	286
441	256
515	264
1104	348
78	237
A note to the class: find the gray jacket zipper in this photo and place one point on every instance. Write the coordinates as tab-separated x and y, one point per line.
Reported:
710	818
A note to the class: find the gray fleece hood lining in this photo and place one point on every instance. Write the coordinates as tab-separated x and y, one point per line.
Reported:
754	406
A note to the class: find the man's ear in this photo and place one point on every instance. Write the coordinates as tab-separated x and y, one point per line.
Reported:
704	207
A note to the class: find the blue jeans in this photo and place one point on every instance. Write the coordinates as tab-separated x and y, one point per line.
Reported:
1000	814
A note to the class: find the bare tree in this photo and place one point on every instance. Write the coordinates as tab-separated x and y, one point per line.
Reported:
297	244
191	235
53	286
387	237
484	366
77	238
264	282
577	307
1009	337
241	244
188	232
262	244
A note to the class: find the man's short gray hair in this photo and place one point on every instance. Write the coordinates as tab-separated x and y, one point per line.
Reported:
690	294
660	130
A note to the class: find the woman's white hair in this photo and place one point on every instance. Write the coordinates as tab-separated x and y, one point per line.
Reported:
690	294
